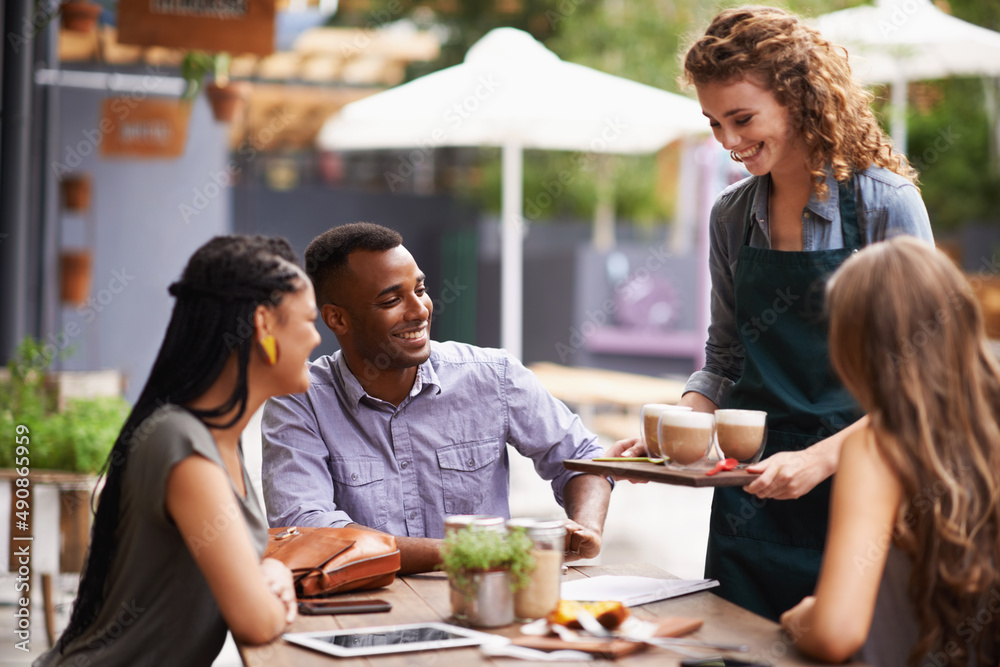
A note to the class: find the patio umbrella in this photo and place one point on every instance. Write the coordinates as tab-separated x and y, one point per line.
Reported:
514	93
897	41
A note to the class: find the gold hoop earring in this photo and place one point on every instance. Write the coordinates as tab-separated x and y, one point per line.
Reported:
736	158
270	347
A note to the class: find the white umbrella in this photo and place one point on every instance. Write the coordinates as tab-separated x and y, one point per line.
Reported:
896	41
514	93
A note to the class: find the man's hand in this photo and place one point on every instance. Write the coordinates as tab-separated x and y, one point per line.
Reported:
581	542
585	498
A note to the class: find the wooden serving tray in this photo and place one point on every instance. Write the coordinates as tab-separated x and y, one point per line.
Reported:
607	648
655	472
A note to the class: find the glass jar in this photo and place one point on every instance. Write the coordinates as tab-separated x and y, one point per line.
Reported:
477	521
495	608
543	591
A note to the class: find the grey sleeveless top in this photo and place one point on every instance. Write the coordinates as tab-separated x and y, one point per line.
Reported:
158	609
894	628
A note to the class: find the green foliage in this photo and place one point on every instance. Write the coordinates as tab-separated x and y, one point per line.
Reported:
469	551
76	439
644	40
948	143
199	64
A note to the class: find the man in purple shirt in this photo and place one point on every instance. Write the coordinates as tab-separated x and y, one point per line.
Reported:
397	431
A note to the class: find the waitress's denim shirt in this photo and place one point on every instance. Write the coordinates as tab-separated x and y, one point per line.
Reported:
888	205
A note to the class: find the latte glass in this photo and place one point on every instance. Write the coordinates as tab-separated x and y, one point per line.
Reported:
650	417
741	434
686	437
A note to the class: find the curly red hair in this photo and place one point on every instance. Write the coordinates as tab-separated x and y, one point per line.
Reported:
809	76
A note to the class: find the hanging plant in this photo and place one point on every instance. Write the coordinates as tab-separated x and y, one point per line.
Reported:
225	96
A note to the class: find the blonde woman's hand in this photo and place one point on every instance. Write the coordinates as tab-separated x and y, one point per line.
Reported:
792	620
278	578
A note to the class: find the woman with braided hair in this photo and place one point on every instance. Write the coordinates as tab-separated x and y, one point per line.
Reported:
911	572
824	182
178	536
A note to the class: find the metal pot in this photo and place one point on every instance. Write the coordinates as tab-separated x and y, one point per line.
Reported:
487	602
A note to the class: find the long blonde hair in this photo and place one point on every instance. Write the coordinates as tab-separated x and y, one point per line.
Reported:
809	76
908	340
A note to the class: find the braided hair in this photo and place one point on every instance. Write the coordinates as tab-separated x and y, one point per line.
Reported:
218	293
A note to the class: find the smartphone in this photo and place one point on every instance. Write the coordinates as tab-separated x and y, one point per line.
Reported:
343	607
721	662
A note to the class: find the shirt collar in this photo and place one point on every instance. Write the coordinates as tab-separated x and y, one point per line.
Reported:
828	209
426	377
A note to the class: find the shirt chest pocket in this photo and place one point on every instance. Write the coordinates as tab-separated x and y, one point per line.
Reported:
469	472
359	490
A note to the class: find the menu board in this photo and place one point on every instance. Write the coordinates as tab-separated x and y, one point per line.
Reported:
234	26
150	128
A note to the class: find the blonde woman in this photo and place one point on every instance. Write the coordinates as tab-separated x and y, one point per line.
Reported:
824	183
911	573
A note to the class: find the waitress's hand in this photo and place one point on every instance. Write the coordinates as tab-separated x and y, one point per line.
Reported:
788	475
627	447
278	578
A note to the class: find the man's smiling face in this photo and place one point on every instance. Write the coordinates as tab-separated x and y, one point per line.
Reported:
388	308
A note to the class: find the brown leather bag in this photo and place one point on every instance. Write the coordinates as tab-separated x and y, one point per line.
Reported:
327	560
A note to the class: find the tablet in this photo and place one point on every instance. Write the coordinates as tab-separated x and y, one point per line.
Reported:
389	639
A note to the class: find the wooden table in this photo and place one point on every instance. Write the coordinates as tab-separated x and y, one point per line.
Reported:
424	597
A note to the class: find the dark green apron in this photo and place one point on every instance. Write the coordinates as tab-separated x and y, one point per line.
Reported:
766	553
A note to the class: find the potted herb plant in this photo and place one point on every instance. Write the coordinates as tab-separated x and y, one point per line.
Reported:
225	96
65	444
484	570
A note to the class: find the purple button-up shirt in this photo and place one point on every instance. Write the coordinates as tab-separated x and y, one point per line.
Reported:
335	455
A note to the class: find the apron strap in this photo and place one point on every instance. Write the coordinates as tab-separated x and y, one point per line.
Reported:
849	226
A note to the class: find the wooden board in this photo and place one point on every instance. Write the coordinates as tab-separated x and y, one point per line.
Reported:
654	472
610	648
236	26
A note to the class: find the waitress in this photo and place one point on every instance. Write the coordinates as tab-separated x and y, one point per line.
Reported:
824	182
